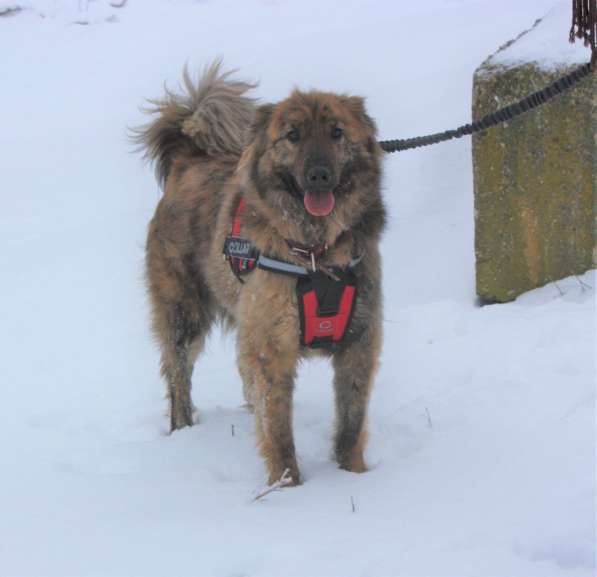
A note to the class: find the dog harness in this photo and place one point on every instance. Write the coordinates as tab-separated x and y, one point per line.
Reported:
326	296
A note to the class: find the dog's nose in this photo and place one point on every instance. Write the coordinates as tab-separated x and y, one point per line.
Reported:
319	177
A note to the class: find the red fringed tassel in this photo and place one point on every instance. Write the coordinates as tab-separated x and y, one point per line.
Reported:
584	25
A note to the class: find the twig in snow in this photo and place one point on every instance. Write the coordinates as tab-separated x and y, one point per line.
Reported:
120	4
352	505
562	293
282	482
429	422
232	429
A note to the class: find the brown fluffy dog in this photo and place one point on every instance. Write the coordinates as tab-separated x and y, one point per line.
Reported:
309	170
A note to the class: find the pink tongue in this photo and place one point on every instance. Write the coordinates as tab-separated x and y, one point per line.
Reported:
319	204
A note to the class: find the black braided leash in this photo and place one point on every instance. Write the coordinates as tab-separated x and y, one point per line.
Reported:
502	115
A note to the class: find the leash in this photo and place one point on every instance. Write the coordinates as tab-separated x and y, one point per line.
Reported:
498	117
584	26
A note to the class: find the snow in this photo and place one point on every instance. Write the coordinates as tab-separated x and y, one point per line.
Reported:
482	449
544	43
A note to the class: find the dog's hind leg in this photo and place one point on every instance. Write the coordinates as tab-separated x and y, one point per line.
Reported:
177	368
182	314
178	379
181	341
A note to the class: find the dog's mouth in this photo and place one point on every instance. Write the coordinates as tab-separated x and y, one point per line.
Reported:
316	202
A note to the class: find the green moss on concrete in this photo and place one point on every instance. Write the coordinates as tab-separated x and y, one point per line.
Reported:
535	183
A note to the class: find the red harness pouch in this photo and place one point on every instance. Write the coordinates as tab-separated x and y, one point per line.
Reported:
325	307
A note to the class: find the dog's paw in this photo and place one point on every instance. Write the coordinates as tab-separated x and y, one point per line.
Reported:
182	419
182	416
353	463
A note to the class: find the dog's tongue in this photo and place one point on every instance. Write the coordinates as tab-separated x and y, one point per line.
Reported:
320	204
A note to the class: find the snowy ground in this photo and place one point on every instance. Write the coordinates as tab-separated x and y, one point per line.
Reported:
482	447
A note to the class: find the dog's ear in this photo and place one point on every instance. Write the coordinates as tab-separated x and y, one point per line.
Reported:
356	106
261	121
254	142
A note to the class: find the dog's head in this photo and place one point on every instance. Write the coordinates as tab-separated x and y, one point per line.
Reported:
314	158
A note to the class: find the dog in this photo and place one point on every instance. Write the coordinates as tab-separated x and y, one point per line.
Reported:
269	223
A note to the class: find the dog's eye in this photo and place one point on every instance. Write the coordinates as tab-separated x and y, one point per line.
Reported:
293	135
337	132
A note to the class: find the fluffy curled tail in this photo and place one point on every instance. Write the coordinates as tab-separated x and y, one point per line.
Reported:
212	116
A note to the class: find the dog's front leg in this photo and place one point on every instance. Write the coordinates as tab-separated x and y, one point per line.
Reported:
273	413
273	389
268	353
355	366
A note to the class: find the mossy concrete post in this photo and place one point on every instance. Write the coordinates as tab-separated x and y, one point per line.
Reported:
534	182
